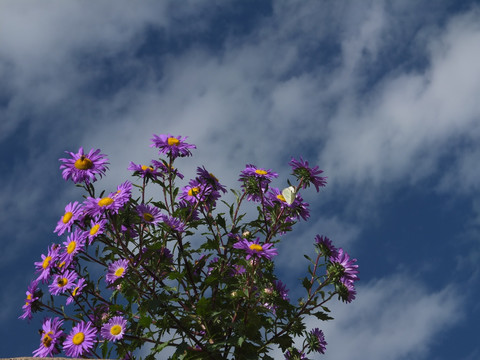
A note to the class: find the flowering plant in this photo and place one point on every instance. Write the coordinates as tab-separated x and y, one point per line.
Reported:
177	272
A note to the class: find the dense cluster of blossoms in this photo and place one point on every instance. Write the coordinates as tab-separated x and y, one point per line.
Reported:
150	286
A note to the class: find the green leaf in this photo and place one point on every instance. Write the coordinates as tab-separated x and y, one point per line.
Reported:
306	284
322	316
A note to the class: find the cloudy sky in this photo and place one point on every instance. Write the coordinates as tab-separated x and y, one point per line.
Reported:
382	95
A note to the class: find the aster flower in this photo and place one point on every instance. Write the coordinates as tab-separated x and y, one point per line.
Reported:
174	223
114	329
281	289
77	290
346	290
97	226
307	175
149	214
32	295
255	181
116	270
317	341
72	213
172	146
165	169
51	336
146	172
193	192
81	339
210	180
81	167
63	282
294	355
342	267
253	248
45	266
325	246
75	243
113	202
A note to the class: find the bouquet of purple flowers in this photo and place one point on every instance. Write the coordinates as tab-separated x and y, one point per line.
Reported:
179	271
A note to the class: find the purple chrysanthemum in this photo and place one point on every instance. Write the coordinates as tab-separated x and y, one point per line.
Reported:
325	246
172	146
193	192
146	172
77	290
342	267
81	167
253	248
97	226
114	329
307	175
255	181
63	282
116	270
72	212
210	180
51	336
74	244
259	173
149	214
295	355
80	340
45	266
281	289
346	290
29	300
318	341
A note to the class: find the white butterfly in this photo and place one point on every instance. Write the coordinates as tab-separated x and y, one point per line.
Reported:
289	194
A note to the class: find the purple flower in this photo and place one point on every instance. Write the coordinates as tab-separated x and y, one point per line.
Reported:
45	266
149	214
172	146
174	223
318	341
80	340
74	244
253	248
51	336
97	226
255	181
63	282
294	355
325	245
116	270
113	202
77	290
114	329
81	167
144	171
307	175
342	267
193	192
346	290
30	300
281	289
165	169
210	180
72	213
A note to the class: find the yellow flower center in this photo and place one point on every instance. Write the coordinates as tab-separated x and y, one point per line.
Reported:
173	141
61	265
256	247
281	198
83	163
62	282
29	297
194	191
115	329
261	172
148	217
78	338
46	262
67	217
94	229
105	201
74	292
145	168
119	271
71	247
47	340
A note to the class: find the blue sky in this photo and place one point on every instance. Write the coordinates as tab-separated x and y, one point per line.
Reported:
382	95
